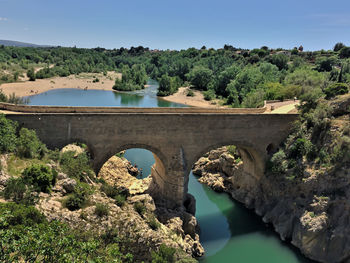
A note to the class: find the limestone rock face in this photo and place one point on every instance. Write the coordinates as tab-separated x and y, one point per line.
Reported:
177	228
303	212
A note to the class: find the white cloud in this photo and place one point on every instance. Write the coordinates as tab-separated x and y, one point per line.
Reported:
3	19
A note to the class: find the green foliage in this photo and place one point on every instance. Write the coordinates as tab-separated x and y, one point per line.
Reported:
338	46
280	60
336	89
325	64
165	254
101	210
29	145
278	164
40	176
306	78
200	77
31	74
19	192
168	85
140	208
209	94
79	198
153	222
344	52
190	93
115	193
26	236
76	166
8	138
13	214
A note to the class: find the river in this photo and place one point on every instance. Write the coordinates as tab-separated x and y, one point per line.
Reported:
229	231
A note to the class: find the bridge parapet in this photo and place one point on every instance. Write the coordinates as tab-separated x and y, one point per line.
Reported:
70	109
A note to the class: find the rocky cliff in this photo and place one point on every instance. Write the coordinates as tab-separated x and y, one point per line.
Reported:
308	201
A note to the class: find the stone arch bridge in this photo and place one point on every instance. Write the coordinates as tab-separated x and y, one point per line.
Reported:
177	137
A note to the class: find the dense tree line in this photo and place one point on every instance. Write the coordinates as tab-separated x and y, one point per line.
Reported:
241	78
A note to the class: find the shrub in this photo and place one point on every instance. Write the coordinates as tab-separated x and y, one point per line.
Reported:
140	208
165	254
336	89
120	200
209	94
109	190
76	166
40	176
29	145
17	191
278	163
298	148
101	210
8	139
21	215
79	198
190	93
153	223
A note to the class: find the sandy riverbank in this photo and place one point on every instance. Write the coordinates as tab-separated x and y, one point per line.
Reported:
196	101
81	81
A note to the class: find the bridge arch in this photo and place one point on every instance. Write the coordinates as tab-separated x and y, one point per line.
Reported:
253	158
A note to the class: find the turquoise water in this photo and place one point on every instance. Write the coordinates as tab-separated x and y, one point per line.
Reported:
229	231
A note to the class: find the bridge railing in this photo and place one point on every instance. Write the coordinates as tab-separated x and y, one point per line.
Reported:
70	109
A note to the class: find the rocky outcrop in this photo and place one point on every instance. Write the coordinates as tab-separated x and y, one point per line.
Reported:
313	213
140	232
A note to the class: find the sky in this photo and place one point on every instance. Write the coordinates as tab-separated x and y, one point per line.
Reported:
180	24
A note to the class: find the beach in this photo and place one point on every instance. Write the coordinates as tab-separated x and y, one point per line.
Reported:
81	81
195	101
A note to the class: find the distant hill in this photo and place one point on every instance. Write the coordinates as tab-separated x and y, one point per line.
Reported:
19	44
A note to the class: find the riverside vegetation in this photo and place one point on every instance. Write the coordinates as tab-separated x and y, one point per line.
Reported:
238	77
53	208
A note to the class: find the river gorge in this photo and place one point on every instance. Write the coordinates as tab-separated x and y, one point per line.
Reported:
229	231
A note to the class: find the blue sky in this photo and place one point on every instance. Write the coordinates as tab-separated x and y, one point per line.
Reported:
163	24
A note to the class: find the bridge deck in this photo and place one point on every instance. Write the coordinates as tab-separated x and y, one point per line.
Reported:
7	108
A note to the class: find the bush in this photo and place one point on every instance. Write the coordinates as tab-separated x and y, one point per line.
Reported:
17	191
29	145
79	198
120	200
101	210
20	215
278	163
140	208
209	94
336	89
40	176
8	139
153	223
190	93
164	255
76	166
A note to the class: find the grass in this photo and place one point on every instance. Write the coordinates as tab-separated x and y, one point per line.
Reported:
101	210
16	165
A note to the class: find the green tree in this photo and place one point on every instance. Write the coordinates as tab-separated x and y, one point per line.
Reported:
338	46
200	77
31	74
29	145
280	60
8	138
40	176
